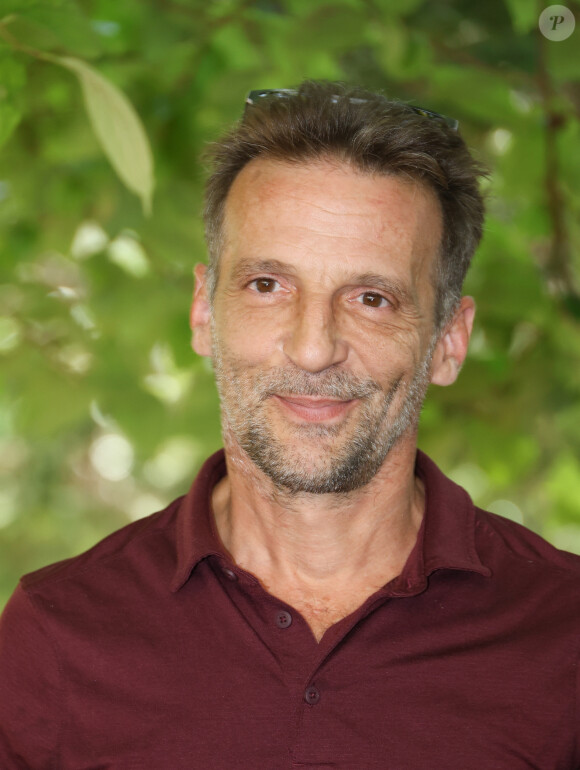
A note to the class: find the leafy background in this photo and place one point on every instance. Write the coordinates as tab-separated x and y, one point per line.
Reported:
105	413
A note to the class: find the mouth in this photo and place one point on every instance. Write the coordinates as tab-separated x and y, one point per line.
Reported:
314	408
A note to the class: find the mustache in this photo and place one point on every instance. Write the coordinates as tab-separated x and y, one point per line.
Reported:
338	385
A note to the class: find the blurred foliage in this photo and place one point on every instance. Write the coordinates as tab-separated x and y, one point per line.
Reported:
105	413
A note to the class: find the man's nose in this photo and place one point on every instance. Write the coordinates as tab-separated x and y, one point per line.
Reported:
314	342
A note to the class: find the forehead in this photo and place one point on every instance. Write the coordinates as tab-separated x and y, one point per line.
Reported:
312	210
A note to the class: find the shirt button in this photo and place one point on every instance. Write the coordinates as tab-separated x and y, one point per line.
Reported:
283	619
229	573
311	696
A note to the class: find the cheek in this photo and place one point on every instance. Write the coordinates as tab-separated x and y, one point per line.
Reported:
388	353
246	337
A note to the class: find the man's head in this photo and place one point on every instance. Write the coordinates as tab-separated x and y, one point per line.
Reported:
374	135
323	327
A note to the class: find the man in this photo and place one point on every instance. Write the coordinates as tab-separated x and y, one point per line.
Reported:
323	597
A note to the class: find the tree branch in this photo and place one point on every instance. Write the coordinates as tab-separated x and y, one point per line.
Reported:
559	262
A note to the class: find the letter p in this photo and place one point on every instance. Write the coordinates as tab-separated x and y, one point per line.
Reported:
556	22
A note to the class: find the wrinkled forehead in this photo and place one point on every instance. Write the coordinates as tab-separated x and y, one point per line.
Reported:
259	173
328	203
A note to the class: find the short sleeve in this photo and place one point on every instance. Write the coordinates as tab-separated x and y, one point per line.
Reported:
30	689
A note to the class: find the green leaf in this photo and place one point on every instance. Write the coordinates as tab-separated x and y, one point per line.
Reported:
12	75
524	15
12	83
118	129
61	25
9	119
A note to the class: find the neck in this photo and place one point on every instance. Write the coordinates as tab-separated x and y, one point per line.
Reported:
315	543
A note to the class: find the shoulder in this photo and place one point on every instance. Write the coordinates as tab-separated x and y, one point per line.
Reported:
129	546
527	567
518	542
501	544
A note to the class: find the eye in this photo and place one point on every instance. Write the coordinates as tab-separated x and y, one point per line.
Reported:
372	299
263	285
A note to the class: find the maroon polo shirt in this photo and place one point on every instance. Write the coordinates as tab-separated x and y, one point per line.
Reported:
153	650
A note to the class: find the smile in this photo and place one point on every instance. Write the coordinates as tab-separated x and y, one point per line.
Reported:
313	408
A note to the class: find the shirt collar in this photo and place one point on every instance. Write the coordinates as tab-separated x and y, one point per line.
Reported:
197	536
446	538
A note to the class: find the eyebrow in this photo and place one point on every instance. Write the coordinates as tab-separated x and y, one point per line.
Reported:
247	267
387	285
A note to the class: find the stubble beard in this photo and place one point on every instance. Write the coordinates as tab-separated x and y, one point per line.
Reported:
315	460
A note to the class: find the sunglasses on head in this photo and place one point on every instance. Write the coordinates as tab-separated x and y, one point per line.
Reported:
281	93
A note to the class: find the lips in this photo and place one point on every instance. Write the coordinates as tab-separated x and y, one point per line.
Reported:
313	408
312	401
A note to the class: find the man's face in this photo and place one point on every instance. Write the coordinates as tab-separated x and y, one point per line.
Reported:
322	330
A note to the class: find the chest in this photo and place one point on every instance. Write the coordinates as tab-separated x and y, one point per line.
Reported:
458	676
322	610
320	616
412	682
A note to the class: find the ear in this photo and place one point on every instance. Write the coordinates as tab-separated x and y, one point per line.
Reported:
200	313
452	346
